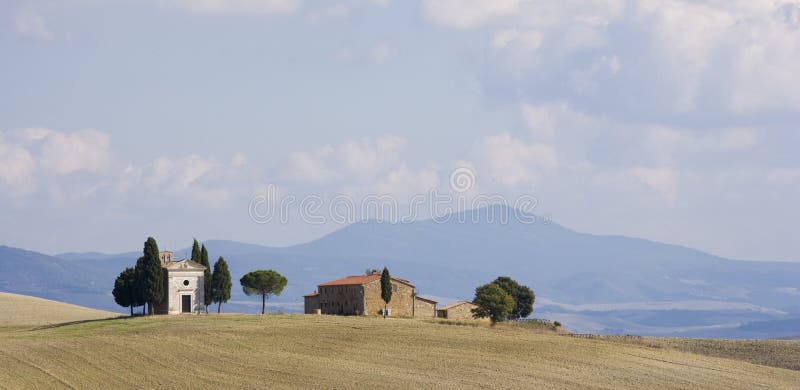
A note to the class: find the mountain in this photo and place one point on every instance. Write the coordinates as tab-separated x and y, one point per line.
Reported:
606	284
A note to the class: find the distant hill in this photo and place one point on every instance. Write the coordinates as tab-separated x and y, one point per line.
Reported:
591	283
26	310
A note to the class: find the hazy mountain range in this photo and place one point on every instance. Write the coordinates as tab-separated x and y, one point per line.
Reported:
591	283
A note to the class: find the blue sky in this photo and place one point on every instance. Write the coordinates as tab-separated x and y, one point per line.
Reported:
669	120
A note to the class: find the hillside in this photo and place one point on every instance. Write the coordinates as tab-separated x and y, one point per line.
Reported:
591	283
20	310
283	351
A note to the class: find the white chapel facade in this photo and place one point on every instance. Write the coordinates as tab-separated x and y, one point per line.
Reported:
184	291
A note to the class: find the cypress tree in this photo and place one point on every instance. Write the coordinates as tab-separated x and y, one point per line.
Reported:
150	275
386	289
138	289
195	251
206	277
220	284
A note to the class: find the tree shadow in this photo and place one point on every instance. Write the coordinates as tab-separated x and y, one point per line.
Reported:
79	322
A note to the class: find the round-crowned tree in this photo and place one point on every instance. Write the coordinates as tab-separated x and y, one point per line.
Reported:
523	297
265	283
493	302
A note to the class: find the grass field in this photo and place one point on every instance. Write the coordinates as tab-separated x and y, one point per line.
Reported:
774	353
281	351
16	310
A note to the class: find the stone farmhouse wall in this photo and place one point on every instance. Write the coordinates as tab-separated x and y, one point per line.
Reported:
459	312
401	304
424	308
342	299
311	304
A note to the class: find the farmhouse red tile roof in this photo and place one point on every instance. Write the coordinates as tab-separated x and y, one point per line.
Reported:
361	279
420	297
313	294
350	280
454	304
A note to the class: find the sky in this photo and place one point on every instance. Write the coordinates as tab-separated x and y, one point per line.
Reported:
670	120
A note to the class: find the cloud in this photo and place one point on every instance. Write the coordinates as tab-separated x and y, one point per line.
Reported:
381	53
30	25
191	178
666	141
468	14
530	39
662	180
58	153
84	150
541	120
238	160
17	167
513	162
666	58
784	176
334	11
404	183
77	165
355	160
237	6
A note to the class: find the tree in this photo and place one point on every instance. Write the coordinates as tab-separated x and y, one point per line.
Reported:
138	292
125	288
492	302
206	277
220	284
386	289
263	282
523	297
195	251
150	275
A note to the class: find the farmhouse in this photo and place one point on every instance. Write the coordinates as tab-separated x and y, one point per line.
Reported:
361	295
183	286
461	310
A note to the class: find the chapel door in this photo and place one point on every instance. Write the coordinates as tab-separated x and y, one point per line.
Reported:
186	303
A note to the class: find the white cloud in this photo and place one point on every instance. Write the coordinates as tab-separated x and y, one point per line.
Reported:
238	160
237	6
334	11
403	183
666	141
381	53
312	166
53	152
734	57
355	160
530	39
541	120
513	162
784	176
467	14
17	167
662	180
84	150
49	161
190	178
472	14
30	25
